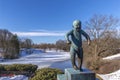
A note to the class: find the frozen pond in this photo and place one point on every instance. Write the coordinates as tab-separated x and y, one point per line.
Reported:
49	59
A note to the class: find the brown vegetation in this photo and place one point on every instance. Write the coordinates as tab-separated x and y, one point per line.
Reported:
105	42
109	67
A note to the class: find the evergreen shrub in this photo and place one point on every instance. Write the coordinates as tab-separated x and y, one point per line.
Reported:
46	74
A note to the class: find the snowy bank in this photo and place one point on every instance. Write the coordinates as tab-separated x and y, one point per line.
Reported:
113	57
112	76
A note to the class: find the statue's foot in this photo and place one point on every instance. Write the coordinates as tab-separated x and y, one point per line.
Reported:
81	69
75	67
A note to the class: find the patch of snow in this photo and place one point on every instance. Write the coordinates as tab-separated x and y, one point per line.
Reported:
114	75
4	78
52	50
117	56
17	77
111	76
25	52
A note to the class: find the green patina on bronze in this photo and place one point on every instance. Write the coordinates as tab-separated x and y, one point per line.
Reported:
76	44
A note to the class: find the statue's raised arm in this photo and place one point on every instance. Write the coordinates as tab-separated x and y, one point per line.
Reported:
86	36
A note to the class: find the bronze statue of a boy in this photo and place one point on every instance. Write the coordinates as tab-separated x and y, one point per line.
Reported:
76	44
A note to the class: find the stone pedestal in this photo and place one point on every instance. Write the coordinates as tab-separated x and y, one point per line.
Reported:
71	74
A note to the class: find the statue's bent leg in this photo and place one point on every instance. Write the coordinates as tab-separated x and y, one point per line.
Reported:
73	55
80	58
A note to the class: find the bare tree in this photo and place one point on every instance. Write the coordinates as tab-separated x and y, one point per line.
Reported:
5	36
26	43
9	44
14	47
62	45
102	31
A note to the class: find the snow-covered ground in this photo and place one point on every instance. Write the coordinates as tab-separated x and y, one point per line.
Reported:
114	75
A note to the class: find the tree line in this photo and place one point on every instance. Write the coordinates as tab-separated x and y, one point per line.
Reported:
60	45
10	44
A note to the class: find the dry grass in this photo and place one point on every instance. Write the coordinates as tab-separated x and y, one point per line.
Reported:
109	67
102	66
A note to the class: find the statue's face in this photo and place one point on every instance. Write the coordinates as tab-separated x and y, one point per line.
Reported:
77	27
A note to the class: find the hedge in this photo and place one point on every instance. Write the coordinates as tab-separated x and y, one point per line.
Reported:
19	67
46	74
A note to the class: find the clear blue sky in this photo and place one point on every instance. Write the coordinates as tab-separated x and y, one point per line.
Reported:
46	21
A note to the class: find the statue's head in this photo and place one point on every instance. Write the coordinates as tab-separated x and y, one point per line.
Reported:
77	25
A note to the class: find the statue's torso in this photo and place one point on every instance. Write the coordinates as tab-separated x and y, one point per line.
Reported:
76	39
